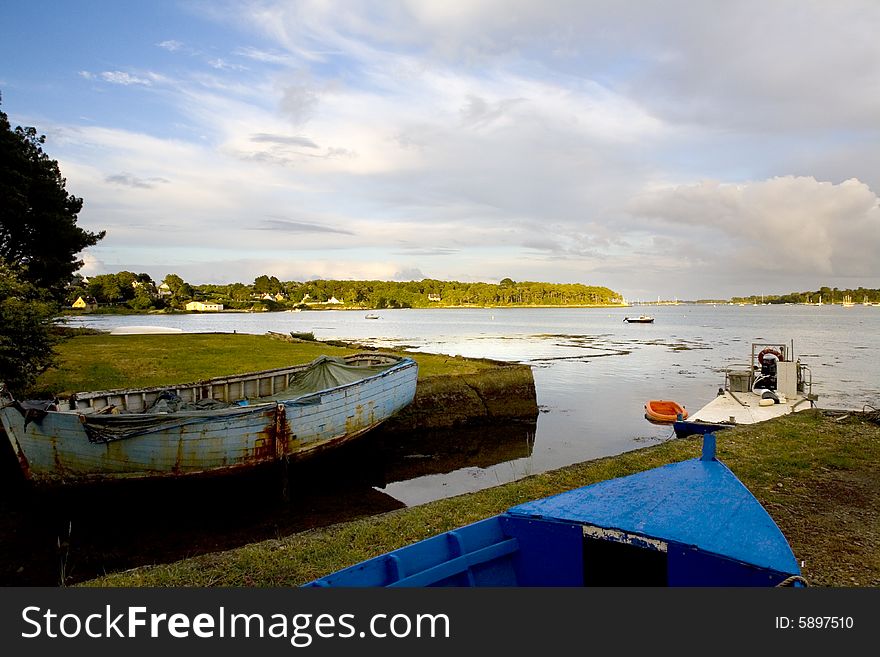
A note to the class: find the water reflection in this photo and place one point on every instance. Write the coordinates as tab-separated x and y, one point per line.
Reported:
445	451
77	533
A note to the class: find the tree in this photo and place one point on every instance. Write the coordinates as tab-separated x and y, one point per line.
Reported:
106	289
39	237
39	244
142	299
239	292
25	337
266	283
180	290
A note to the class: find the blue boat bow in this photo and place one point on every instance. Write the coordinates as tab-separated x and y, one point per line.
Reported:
691	523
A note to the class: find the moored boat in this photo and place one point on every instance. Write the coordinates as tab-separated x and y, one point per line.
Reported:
774	384
691	523
216	425
664	410
641	319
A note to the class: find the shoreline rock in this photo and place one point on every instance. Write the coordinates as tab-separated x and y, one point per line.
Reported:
446	401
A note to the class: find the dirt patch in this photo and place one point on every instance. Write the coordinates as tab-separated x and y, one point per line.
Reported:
832	523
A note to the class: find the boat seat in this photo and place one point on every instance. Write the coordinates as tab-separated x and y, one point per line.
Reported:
457	566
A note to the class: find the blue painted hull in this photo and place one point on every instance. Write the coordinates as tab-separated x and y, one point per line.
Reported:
74	445
686	524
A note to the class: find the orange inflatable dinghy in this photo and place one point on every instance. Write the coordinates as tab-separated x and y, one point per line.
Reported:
661	410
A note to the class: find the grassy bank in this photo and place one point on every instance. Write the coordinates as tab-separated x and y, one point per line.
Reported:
818	475
103	361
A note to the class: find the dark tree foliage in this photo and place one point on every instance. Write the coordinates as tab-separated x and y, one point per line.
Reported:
38	231
39	244
25	337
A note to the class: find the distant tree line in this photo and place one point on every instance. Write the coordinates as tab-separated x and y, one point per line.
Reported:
126	290
139	292
825	294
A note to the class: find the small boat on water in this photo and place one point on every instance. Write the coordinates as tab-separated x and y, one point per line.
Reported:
641	319
371	316
774	384
663	410
691	523
215	425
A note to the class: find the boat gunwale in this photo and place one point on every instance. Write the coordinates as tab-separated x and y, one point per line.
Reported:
246	376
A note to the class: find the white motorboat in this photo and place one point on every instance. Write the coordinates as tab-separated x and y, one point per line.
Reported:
774	384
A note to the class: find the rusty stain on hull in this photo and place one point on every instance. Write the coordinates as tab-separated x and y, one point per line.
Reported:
22	460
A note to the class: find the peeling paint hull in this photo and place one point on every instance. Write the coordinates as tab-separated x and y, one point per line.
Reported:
57	449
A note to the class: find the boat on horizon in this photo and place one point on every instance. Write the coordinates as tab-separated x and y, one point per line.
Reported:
212	426
691	523
774	384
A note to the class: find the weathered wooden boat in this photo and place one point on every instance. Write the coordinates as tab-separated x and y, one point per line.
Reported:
664	410
775	383
691	523
641	319
215	425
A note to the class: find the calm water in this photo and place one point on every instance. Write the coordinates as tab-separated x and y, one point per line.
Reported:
593	372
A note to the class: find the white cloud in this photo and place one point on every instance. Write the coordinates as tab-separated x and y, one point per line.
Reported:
224	65
123	78
795	225
264	56
171	45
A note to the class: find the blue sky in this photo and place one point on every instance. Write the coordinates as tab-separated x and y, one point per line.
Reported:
675	149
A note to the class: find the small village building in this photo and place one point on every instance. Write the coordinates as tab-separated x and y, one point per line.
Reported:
433	297
84	303
333	300
164	290
201	306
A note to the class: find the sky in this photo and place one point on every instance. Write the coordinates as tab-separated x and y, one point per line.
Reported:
687	150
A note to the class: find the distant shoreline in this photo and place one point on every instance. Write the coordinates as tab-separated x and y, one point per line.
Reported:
71	312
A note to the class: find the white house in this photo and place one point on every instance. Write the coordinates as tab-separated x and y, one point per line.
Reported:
333	300
201	306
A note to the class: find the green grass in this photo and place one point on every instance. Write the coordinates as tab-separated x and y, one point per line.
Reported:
102	362
818	478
